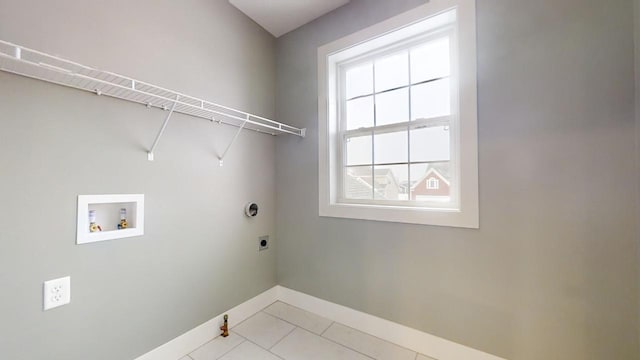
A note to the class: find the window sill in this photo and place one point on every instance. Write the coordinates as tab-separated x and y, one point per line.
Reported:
407	215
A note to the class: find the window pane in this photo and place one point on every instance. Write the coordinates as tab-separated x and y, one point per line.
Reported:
391	148
390	182
360	113
392	107
359	150
392	71
430	144
359	80
430	100
430	182
357	183
430	61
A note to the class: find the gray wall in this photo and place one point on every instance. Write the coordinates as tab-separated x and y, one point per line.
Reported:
199	255
552	271
636	5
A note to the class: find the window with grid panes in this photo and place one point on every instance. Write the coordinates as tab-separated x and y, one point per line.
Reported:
395	119
395	107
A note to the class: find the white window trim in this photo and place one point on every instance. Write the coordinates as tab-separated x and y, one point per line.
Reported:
467	213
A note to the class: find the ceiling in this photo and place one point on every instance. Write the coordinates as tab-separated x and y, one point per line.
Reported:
281	16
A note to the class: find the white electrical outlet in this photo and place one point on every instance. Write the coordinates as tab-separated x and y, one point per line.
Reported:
57	292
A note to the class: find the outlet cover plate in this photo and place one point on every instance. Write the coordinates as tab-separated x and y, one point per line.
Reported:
57	292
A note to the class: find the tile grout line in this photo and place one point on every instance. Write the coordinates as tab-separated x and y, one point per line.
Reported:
252	315
325	330
278	342
240	343
318	335
337	343
231	328
328	327
260	346
306	311
321	335
215	337
275	317
267	350
289	322
283	320
337	322
377	338
198	348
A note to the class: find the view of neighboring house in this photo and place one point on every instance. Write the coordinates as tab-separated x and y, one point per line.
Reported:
434	182
360	185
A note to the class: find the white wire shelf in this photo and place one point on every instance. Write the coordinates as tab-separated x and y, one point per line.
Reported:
23	61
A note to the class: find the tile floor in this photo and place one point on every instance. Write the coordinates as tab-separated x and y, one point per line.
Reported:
282	331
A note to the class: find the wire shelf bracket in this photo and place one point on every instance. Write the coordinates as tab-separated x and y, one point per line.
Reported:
34	64
221	158
164	126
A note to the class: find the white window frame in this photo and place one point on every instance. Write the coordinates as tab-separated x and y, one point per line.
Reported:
461	211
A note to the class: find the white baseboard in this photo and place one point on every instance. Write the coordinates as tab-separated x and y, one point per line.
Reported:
192	339
407	337
404	336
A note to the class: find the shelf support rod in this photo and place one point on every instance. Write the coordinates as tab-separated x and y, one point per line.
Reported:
164	126
221	158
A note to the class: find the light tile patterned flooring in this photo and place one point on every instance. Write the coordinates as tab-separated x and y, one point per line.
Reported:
282	331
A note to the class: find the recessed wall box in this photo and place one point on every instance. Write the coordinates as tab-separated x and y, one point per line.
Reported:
106	213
